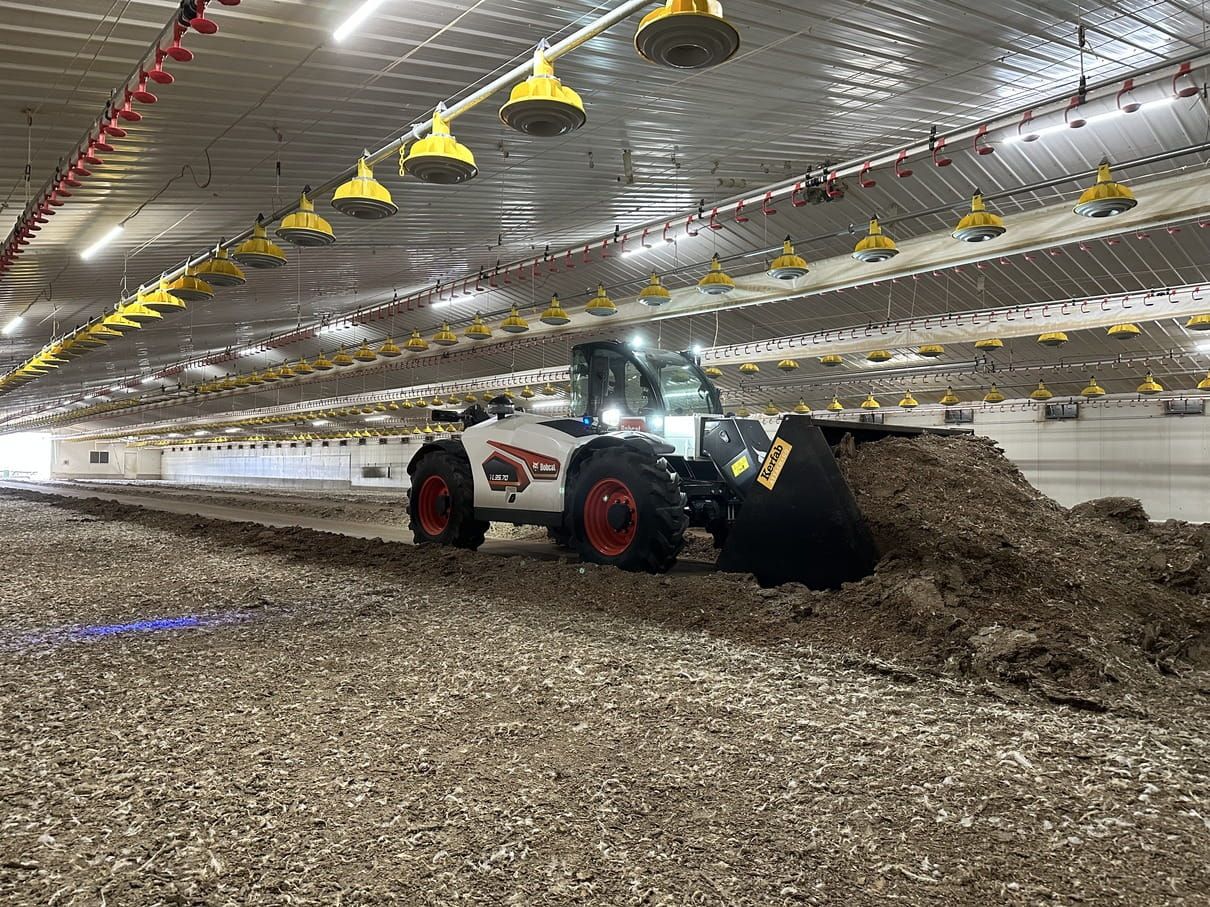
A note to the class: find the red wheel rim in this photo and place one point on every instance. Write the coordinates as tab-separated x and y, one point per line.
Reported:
610	517
433	505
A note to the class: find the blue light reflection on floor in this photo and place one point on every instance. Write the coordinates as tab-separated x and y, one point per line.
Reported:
137	626
78	633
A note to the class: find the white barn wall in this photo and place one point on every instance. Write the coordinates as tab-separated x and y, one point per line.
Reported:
331	468
1113	449
70	460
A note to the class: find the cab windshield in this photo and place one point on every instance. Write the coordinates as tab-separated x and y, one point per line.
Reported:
681	385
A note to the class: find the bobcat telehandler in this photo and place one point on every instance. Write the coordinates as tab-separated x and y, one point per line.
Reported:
649	453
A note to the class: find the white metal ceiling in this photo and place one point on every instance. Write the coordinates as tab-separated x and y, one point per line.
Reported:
834	82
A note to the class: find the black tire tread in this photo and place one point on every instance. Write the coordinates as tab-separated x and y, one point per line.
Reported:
464	530
665	504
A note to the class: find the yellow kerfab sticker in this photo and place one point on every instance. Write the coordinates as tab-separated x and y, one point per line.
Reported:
740	466
774	461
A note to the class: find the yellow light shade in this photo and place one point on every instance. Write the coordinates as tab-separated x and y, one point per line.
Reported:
716	281
469	398
303	368
439	157
221	271
555	313
364	354
686	34
285	372
878	356
989	343
979	225
601	305
417	344
405	404
549	390
949	398
1204	384
831	360
542	105
269	375
875	246
1041	392
478	329
1105	198
749	368
323	363
788	365
771	409
136	311
527	393
514	323
258	251
1093	389
363	196
1150	385
190	287
789	265
342	359
743	412
931	350
801	408
1124	331
253	379
390	350
444	336
163	299
1199	322
908	401
655	293
993	395
306	228
713	372
870	402
1052	338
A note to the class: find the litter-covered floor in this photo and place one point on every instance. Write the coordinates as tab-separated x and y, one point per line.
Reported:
206	713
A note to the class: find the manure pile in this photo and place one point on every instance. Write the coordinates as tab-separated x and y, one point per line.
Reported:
983	574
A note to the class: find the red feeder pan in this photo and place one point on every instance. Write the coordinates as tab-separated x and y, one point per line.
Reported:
89	158
200	23
101	144
127	113
79	169
157	73
174	50
56	198
141	94
113	129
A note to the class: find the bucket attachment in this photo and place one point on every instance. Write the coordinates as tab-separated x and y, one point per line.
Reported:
799	521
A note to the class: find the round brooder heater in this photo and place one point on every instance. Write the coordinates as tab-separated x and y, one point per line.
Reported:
980	225
306	228
363	196
716	281
439	157
686	34
875	246
258	251
543	106
789	265
1105	197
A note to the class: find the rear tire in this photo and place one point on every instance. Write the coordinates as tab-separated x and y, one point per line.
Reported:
441	504
627	511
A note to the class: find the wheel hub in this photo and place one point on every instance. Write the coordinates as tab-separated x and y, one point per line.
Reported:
618	515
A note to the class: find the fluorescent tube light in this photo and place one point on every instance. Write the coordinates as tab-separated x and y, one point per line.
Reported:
354	21
114	232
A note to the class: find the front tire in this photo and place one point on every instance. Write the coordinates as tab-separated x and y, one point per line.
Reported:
627	511
441	504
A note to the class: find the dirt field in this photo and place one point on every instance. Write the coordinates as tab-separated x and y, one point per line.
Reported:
207	713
